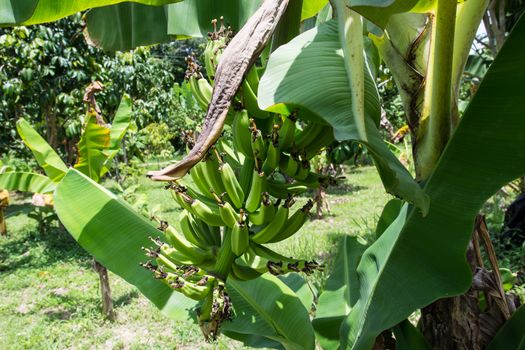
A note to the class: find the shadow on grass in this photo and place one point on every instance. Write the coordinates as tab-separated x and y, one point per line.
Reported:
126	299
30	248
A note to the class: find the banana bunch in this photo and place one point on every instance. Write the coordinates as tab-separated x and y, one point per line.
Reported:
239	198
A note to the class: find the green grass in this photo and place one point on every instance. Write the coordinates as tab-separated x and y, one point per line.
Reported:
49	295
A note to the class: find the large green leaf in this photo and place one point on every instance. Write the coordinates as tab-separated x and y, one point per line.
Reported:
421	259
125	26
268	312
340	293
26	12
512	333
325	91
45	156
26	182
93	143
113	233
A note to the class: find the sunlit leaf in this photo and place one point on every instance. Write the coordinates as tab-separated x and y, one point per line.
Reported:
26	182
45	156
111	231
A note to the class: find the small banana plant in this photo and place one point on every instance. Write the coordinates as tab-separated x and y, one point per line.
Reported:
97	146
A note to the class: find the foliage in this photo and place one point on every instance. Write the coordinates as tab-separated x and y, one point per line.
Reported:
422	240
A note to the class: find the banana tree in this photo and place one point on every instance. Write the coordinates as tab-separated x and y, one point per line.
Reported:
97	147
419	255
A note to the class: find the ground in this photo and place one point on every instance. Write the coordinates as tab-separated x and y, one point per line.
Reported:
49	296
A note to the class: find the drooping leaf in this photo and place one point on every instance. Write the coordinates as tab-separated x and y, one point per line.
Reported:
318	52
26	12
409	337
266	307
113	233
428	253
45	156
380	11
91	149
125	26
26	182
512	333
340	293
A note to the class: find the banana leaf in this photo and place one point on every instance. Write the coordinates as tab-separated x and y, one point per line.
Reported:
419	259
340	293
26	12
512	333
409	337
91	149
26	182
120	123
380	11
113	233
268	312
318	52
125	26
45	156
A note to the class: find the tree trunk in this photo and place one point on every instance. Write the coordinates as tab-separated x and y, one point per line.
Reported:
52	129
105	291
458	323
3	225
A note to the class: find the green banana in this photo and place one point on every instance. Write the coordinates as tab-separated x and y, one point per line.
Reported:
308	135
188	230
265	213
199	179
273	227
258	144
303	171
244	273
250	101
211	167
232	185
273	154
254	197
195	291
181	244
294	223
232	157
287	133
208	233
225	257
280	190
278	264
289	165
245	177
208	214
228	214
242	134
201	90
323	139
240	239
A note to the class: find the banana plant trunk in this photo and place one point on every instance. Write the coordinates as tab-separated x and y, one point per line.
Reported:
105	290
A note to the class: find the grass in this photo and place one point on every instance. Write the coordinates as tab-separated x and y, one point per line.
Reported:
49	295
